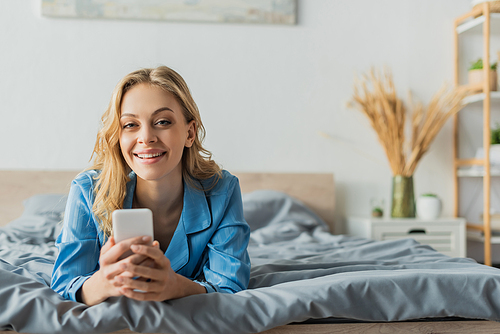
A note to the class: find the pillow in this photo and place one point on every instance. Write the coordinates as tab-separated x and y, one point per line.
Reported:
38	226
266	207
47	205
260	208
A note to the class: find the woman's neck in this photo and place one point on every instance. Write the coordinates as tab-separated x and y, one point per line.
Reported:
161	196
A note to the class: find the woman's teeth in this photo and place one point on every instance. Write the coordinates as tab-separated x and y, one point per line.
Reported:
149	156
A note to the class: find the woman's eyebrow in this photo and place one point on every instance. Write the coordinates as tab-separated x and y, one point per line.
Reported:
154	113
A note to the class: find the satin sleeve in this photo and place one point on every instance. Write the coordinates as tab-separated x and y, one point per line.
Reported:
78	243
228	267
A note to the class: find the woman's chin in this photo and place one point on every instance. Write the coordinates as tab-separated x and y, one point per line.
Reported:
157	174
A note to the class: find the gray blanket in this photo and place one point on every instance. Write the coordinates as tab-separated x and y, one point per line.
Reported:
299	272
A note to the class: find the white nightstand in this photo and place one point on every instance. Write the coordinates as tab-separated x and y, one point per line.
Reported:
446	235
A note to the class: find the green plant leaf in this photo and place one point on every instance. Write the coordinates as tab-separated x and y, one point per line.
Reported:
495	135
478	65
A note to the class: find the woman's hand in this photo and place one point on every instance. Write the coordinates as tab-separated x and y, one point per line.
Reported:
157	282
103	284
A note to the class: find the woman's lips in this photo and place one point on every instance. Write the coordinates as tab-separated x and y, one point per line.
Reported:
149	158
149	155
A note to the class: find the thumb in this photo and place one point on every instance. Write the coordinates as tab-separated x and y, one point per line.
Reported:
110	243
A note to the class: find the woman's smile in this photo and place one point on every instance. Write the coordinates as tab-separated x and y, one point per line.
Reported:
149	156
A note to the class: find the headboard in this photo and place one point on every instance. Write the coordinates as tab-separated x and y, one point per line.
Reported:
315	190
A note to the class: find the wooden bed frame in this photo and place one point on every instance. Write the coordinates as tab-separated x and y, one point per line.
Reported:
315	190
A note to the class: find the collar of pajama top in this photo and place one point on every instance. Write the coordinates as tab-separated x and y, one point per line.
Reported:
195	217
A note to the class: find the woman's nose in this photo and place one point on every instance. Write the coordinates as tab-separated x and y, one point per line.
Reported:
147	136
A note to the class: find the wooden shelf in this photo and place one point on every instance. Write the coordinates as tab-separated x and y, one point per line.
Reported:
473	172
495	96
478	236
476	25
469	162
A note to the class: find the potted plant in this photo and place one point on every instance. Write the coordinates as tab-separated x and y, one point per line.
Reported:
377	205
476	74
428	206
495	145
377	212
495	135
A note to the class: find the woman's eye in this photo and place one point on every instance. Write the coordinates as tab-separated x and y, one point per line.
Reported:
163	122
128	125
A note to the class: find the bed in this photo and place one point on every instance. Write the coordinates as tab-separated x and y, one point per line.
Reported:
304	279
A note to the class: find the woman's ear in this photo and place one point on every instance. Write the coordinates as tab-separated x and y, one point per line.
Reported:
191	134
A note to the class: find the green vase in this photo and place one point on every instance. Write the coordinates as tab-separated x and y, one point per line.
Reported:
403	199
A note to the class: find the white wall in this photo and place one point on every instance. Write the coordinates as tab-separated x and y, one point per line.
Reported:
264	91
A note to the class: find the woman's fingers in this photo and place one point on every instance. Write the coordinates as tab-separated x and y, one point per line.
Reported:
152	279
107	246
139	284
110	271
136	258
130	293
147	263
146	270
117	250
141	271
154	252
112	252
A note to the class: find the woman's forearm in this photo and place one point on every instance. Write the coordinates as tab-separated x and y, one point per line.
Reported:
186	287
93	291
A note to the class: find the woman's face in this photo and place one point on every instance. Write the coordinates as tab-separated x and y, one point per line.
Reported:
153	132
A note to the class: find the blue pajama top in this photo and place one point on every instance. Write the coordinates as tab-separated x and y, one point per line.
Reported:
209	245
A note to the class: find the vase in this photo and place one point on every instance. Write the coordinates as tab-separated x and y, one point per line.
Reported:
403	198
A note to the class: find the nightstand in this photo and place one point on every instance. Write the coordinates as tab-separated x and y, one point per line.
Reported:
446	235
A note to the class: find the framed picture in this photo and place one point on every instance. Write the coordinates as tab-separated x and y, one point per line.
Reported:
227	11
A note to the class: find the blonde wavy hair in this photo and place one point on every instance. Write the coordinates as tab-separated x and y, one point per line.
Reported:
110	188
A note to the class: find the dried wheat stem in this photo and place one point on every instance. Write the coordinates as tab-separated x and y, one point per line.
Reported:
375	96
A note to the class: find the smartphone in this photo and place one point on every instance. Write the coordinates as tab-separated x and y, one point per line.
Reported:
130	223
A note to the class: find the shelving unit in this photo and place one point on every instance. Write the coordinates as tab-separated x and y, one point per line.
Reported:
479	20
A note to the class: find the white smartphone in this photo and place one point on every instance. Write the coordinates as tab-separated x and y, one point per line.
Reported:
130	223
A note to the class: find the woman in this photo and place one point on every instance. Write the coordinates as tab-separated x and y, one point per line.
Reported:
149	154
